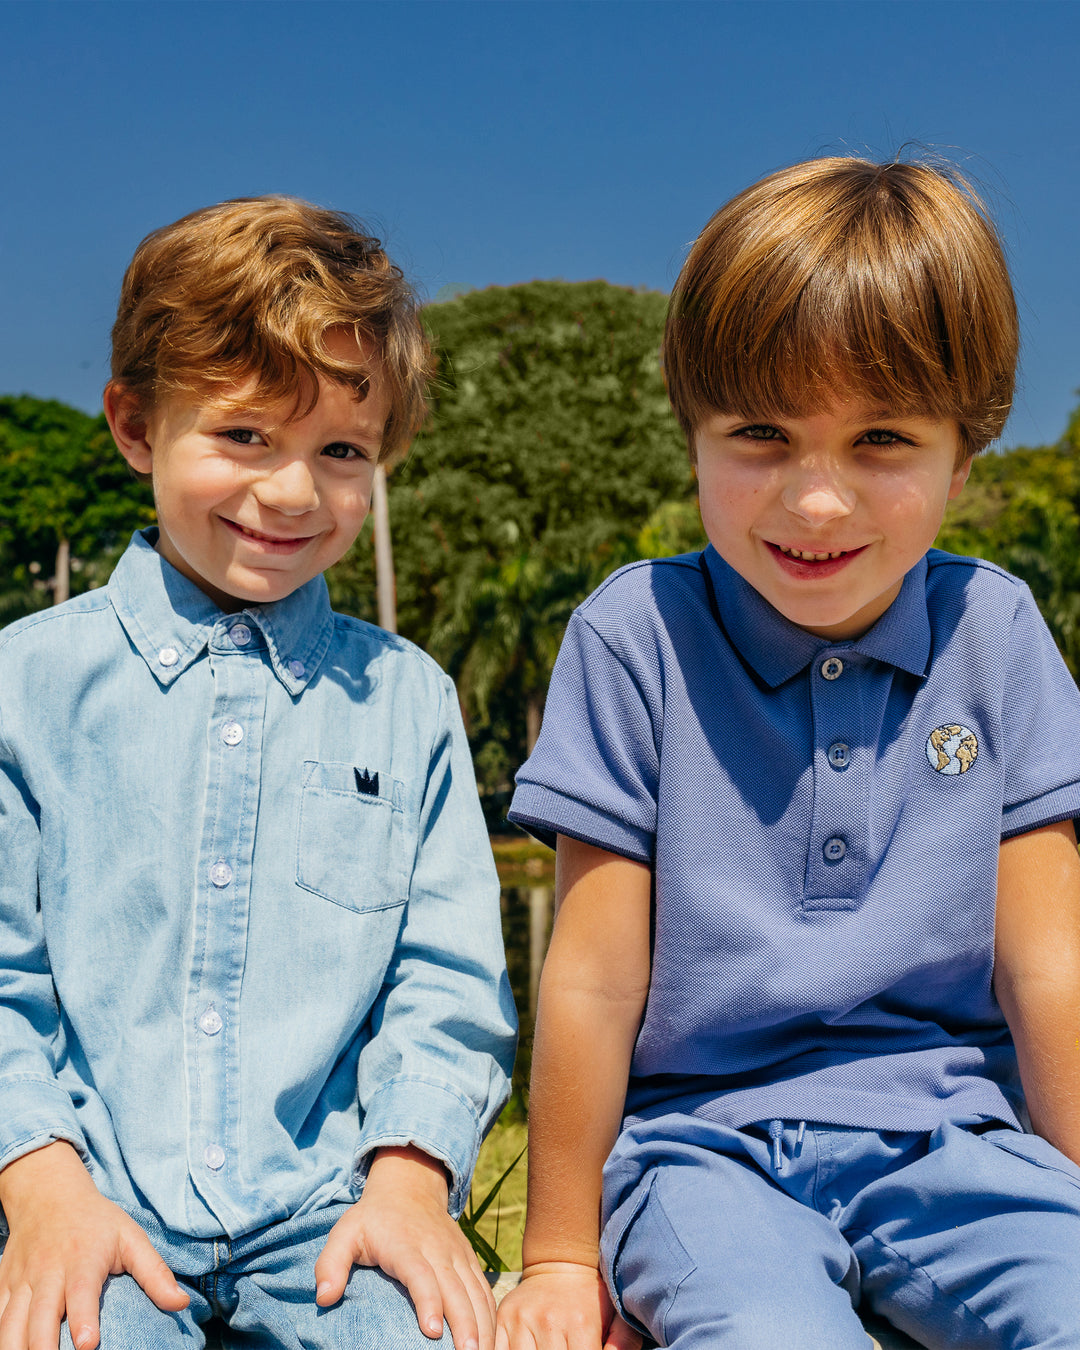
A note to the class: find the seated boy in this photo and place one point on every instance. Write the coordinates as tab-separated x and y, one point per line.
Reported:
254	1015
789	778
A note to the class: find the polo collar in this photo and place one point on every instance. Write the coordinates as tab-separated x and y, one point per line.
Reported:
170	622
777	649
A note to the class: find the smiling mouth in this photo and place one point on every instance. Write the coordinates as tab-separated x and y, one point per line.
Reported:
261	538
804	555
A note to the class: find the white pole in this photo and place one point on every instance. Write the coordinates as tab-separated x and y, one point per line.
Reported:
384	556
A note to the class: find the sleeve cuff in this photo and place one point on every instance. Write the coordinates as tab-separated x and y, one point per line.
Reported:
1061	803
413	1109
35	1112
545	814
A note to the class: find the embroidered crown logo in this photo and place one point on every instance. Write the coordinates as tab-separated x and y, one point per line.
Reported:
952	749
367	782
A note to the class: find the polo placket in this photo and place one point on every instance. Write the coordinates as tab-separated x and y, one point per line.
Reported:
238	664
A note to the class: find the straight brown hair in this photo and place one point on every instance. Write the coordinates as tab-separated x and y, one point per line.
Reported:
841	277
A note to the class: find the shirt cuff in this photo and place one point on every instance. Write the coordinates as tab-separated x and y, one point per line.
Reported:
35	1112
412	1109
1061	803
545	814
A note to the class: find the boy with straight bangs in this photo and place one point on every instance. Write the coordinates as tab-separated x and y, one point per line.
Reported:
254	1014
812	1002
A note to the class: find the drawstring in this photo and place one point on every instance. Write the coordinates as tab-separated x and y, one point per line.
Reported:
776	1134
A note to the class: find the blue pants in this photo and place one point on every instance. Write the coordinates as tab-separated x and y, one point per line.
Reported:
263	1287
966	1237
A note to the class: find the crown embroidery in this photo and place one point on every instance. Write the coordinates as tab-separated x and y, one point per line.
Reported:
367	782
952	749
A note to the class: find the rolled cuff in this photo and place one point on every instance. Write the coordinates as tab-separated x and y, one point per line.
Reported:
35	1112
1062	803
545	814
432	1115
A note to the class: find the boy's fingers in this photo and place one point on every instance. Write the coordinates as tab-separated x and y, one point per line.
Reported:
621	1337
83	1305
44	1315
332	1269
143	1262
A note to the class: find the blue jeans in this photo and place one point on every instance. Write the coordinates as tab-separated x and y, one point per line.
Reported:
263	1287
968	1238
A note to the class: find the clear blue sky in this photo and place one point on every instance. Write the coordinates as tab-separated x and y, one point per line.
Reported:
501	140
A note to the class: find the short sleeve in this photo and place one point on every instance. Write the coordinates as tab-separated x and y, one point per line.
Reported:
594	772
1041	726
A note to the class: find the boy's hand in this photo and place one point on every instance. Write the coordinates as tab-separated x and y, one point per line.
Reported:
66	1240
562	1306
401	1225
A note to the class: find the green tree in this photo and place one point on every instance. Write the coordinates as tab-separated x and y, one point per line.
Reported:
67	502
550	450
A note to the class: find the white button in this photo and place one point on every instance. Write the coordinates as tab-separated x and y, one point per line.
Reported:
210	1022
834	849
232	733
168	656
832	669
240	634
839	755
296	669
220	874
214	1157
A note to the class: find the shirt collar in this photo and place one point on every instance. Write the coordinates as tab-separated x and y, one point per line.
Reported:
170	621
777	649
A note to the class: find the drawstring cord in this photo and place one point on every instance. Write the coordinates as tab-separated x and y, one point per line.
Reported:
776	1135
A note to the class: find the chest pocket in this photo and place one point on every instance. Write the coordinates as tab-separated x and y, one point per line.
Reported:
350	846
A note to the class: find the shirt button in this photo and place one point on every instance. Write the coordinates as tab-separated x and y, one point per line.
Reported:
220	874
210	1021
232	733
834	850
296	669
168	656
832	669
240	634
839	755
214	1157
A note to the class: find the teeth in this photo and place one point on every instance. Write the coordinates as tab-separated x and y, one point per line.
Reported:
807	556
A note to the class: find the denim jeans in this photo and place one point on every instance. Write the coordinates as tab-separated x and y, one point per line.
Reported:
262	1287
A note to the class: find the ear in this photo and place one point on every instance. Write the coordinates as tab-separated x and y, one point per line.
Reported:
128	424
960	477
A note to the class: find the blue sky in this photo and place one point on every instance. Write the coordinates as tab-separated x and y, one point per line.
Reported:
500	140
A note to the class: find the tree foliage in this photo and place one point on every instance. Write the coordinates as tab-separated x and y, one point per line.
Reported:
62	480
550	450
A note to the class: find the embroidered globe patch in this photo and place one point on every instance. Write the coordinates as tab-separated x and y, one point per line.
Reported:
952	750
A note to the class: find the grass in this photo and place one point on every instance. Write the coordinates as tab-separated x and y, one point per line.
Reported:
504	1221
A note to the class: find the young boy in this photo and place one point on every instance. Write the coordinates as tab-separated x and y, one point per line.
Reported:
254	1014
788	779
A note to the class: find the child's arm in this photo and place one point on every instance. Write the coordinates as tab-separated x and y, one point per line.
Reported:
592	996
1037	974
66	1239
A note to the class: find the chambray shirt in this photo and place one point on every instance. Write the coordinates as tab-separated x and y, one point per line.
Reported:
823	820
249	919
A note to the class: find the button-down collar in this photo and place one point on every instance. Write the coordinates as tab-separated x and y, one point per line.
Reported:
170	621
777	649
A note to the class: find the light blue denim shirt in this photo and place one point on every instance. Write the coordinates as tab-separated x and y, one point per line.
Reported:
249	920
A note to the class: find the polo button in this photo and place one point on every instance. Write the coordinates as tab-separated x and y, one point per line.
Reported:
168	656
296	669
839	755
832	669
232	733
220	874
834	850
214	1157
210	1021
240	634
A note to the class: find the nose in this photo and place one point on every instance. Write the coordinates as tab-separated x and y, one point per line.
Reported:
817	493
288	488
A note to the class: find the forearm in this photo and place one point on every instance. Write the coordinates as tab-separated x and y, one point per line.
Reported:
1044	1018
581	1062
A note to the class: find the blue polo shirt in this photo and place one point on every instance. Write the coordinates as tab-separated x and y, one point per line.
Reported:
823	821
